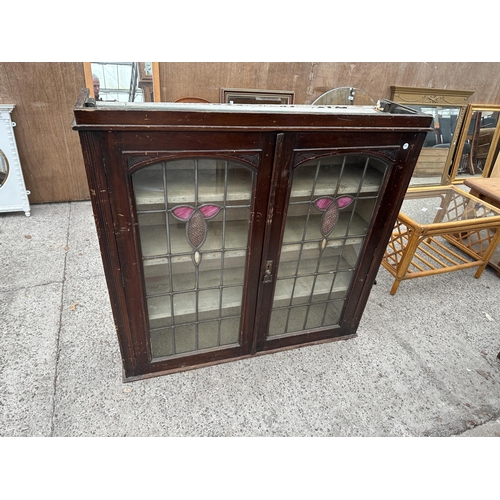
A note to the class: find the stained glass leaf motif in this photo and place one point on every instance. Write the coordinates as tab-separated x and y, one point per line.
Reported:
182	212
330	208
209	211
196	227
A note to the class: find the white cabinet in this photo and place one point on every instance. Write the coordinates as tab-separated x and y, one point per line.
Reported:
13	193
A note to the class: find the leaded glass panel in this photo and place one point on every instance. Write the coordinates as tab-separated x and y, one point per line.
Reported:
331	204
193	217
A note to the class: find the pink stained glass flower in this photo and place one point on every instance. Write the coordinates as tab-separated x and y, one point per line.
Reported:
196	227
330	208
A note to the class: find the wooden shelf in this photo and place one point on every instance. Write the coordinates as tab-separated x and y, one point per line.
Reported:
209	300
154	241
209	305
349	184
309	260
149	187
183	276
303	288
157	276
294	229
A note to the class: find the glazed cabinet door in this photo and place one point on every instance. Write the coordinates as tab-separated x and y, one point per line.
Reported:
324	239
190	234
233	243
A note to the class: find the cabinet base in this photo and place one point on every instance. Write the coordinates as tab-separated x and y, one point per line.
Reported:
135	378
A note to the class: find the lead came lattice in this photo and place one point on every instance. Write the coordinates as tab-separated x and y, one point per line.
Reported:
312	295
203	311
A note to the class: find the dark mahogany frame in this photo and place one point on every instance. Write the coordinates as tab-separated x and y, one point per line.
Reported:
117	141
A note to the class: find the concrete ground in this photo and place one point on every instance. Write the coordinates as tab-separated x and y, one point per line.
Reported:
424	362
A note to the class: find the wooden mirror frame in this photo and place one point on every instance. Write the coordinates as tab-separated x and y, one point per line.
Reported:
87	70
466	136
438	98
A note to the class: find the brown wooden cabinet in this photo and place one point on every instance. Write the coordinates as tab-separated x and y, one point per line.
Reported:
232	230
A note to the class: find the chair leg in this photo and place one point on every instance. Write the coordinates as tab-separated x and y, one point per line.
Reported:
395	286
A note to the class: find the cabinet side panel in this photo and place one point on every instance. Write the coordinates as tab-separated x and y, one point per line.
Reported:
99	195
384	220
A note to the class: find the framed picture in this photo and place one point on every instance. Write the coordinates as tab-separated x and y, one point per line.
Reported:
251	96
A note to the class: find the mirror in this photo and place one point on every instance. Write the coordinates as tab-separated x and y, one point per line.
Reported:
448	109
4	168
345	96
123	81
478	144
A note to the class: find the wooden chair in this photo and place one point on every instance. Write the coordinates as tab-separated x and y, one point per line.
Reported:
192	99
